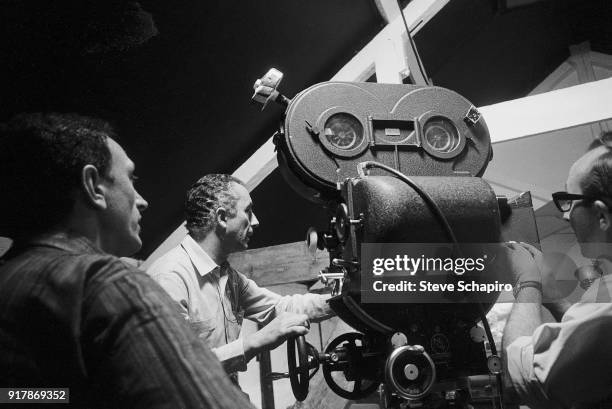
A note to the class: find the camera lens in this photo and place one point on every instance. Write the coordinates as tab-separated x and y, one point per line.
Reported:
441	136
343	131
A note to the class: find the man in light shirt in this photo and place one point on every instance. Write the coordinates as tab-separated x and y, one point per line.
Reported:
566	364
213	296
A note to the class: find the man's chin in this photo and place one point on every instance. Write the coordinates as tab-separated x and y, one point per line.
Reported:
134	247
245	245
238	245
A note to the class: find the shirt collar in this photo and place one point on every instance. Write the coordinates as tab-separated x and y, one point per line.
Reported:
200	259
66	242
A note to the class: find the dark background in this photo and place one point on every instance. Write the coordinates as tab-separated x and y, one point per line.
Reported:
175	78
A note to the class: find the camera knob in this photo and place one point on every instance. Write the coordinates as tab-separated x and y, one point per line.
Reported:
410	372
478	334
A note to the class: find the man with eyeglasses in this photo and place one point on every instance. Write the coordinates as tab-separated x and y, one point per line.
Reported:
569	363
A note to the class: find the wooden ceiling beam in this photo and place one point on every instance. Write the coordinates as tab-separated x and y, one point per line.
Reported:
388	9
550	111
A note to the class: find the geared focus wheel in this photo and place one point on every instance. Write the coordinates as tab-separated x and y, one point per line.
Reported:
300	371
410	372
347	345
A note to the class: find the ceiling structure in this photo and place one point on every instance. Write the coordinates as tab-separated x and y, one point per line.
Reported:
177	80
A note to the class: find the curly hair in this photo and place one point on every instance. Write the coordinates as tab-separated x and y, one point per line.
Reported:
204	198
41	159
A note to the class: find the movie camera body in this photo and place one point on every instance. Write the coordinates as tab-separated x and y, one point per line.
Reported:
392	164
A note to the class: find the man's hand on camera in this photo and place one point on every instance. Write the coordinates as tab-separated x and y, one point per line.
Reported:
552	296
549	283
522	264
285	325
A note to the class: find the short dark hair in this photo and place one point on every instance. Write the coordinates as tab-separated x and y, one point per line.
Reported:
41	160
203	199
598	182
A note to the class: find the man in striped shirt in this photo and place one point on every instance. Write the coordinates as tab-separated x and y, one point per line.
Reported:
73	315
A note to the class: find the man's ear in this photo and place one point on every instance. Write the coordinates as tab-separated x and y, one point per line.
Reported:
221	215
603	215
93	187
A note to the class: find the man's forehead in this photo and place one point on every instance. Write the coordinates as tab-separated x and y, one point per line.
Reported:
241	192
118	155
584	165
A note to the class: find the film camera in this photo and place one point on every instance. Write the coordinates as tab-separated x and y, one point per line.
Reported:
392	164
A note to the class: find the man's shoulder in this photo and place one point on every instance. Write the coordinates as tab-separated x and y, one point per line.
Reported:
93	263
97	269
68	272
588	310
175	261
61	260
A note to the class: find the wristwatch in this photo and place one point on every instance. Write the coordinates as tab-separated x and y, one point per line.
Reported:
524	284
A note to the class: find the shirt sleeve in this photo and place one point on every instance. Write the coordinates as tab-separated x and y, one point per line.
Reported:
141	353
564	363
262	305
232	356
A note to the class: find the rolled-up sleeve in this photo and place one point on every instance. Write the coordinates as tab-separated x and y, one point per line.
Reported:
232	356
262	305
565	363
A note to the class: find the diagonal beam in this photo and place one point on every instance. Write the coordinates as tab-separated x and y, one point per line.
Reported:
362	65
551	111
359	68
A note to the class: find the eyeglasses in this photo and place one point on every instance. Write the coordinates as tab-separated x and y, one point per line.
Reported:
563	200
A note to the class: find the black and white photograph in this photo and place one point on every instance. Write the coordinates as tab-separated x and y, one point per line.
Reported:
326	204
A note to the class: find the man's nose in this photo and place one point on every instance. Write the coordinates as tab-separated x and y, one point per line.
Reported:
566	215
141	203
254	221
